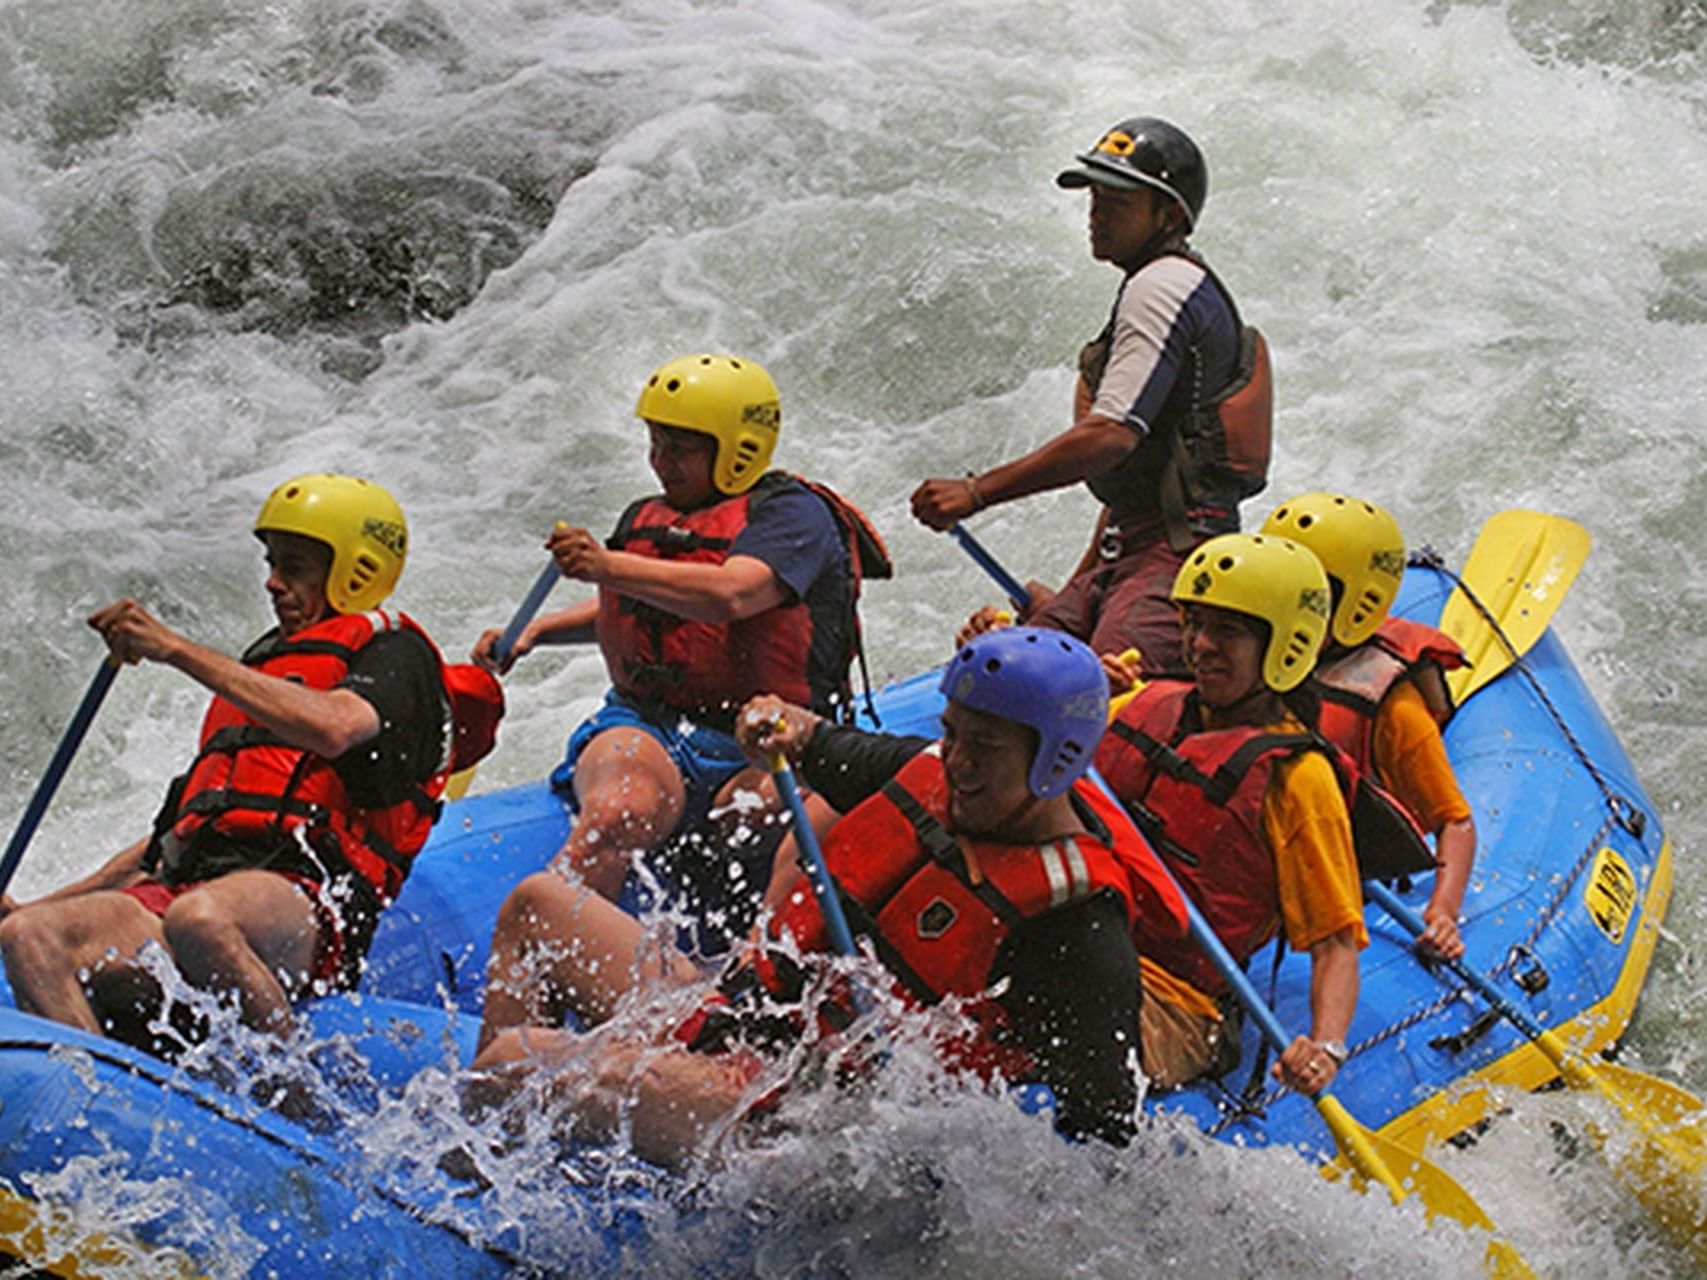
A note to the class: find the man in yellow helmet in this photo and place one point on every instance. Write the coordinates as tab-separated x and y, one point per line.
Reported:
1247	807
315	783
733	581
1379	693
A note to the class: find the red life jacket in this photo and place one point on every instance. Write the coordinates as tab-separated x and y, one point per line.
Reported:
1198	794
248	784
1207	449
706	666
1353	684
937	910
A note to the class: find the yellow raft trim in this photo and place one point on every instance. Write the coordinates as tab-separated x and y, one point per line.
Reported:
29	1233
1460	1106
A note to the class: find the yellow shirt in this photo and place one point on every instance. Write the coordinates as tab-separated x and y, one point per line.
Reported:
1410	760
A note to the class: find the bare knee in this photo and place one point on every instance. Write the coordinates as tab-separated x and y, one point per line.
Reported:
542	899
31	941
203	938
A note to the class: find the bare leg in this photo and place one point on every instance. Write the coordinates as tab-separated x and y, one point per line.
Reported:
560	947
631	797
251	932
50	947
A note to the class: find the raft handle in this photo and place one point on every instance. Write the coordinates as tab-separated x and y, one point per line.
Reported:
1528	971
1483	1023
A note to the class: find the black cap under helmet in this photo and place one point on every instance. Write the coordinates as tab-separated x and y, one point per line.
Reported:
1145	152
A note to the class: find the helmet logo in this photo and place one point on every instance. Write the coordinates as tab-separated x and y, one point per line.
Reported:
1313	600
765	413
1389	562
1201	583
936	919
1083	706
1115	143
965	686
388	533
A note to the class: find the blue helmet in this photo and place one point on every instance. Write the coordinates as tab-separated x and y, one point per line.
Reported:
1045	679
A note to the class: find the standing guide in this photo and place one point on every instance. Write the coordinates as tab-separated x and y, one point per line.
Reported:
1172	415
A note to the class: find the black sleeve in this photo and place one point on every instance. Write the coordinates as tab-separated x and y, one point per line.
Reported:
1072	1002
845	765
398	674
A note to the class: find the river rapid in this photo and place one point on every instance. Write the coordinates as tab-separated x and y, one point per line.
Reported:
441	242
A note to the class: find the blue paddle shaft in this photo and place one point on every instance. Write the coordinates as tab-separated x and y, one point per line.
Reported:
1018	596
68	744
1217	952
541	588
1390	902
812	858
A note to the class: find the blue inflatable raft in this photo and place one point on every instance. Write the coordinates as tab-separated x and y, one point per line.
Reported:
1569	891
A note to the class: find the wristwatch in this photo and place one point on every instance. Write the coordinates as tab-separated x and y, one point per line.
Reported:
1335	1049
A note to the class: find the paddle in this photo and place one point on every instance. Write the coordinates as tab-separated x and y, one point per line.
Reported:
1018	596
811	857
56	767
1517	575
1664	1167
458	783
1373	1159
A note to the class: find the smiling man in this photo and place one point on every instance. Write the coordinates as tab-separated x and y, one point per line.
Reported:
316	781
1248	805
983	867
1172	414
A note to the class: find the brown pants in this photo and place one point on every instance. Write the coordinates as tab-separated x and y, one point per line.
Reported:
1124	604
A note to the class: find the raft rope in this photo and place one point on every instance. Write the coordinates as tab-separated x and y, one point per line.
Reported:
1620	810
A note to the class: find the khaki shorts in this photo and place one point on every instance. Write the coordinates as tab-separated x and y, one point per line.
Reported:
1176	1046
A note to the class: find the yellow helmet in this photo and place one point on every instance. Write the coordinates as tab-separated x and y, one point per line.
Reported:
1270	578
1360	546
360	522
730	399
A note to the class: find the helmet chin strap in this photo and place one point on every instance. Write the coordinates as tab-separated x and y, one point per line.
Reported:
1003	827
1251	703
1166	238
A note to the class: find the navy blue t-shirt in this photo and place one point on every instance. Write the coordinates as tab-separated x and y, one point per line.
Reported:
792	531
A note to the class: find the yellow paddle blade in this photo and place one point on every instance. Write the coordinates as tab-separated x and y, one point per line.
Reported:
456	786
44	1235
1658	1153
1377	1160
1520	568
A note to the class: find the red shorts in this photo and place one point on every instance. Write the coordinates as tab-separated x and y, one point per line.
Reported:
328	971
1124	604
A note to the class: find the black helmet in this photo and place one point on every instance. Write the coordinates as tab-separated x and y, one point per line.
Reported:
1145	152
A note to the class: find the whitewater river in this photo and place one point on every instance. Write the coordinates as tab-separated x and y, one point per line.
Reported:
441	242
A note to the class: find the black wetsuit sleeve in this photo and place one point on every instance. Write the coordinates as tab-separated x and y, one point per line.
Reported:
1072	1003
397	673
845	765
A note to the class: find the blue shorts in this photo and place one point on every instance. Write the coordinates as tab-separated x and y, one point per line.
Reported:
706	758
714	889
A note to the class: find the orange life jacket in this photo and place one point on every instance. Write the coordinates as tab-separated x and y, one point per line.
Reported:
716	666
1352	685
1207	450
248	784
937	909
